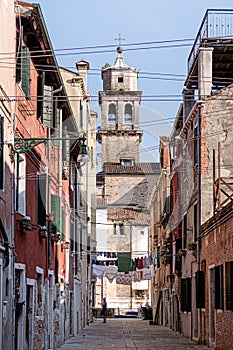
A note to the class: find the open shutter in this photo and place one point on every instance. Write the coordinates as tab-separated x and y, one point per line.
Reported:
48	106
219	287
26	71
1	151
55	209
56	125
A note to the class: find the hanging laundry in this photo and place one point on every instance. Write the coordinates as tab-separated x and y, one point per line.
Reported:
98	270
110	272
136	276
123	278
124	261
146	274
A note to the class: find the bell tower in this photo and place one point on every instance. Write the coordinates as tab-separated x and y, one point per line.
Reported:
120	134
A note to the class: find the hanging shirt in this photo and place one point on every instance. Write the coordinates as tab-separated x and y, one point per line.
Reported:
98	270
110	272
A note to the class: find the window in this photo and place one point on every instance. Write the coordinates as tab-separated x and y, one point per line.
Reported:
229	285
200	289
118	229
195	146
112	113
185	231
21	184
39	294
195	222
186	294
128	119
41	199
120	79
127	162
218	282
1	152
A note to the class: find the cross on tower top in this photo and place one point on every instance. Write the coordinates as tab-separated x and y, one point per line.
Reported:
119	39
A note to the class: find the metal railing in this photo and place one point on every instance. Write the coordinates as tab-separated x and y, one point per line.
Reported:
215	24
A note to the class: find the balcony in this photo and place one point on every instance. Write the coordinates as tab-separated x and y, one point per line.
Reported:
216	31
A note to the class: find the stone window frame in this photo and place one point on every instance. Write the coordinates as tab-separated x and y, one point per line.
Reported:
112	118
128	117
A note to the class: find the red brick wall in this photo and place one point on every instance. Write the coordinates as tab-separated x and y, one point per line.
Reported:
216	249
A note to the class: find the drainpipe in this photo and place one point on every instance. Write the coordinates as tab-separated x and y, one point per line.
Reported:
198	186
199	206
12	250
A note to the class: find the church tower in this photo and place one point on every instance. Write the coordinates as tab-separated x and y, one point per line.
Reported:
120	134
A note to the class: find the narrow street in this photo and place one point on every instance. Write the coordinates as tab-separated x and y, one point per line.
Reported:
128	334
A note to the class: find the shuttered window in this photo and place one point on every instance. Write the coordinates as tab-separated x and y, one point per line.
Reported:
229	285
25	71
218	277
186	294
200	289
41	199
55	209
21	184
1	152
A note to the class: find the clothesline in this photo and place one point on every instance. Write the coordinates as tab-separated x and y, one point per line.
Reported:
111	272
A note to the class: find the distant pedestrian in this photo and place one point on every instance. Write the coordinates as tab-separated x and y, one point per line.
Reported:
104	309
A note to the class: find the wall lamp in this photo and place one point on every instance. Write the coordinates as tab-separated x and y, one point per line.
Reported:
83	157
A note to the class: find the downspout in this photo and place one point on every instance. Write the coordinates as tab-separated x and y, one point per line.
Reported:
198	186
199	208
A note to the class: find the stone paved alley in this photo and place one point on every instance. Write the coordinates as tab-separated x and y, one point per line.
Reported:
129	334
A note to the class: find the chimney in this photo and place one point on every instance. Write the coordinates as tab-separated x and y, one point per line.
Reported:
205	65
82	67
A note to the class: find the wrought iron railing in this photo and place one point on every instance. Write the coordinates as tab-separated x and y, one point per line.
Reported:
215	24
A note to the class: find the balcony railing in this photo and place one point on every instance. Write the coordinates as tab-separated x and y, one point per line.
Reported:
215	24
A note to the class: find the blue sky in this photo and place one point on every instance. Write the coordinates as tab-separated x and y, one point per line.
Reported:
76	24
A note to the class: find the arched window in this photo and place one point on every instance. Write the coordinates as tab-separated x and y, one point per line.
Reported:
112	113
128	117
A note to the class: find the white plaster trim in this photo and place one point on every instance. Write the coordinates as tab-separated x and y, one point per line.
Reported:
19	266
31	282
40	270
50	272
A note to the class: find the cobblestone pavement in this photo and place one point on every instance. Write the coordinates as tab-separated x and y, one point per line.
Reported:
129	334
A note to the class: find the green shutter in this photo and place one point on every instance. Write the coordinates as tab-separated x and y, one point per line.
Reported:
56	131
124	261
26	71
1	151
48	106
55	210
